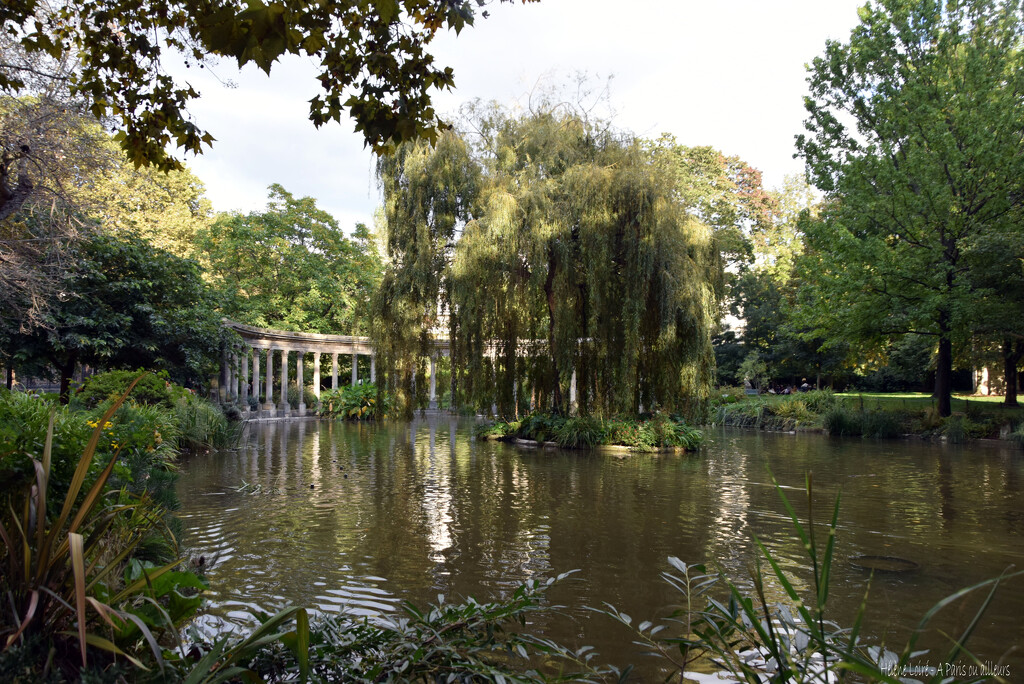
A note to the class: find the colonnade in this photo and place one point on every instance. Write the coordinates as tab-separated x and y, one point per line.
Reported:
249	373
239	385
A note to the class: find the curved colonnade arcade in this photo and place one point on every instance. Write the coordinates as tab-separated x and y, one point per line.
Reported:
250	374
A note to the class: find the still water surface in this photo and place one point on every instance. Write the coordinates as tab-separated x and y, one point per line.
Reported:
360	517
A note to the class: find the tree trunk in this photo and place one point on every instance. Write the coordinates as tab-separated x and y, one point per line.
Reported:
66	371
549	290
1012	354
10	377
944	376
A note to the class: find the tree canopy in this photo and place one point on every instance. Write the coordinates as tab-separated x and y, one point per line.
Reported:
554	246
914	135
372	57
123	304
291	267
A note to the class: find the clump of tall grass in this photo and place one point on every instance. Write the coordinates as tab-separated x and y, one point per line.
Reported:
583	432
203	426
841	421
818	401
1017	436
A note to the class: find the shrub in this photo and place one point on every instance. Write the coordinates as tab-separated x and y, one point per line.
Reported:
308	397
145	439
880	424
64	592
1018	435
152	389
24	418
358	402
819	401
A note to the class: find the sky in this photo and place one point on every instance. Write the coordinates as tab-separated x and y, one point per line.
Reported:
727	73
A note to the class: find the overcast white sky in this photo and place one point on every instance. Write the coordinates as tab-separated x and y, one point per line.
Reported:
726	73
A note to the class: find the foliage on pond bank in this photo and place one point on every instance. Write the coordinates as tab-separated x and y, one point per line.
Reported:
855	416
587	432
354	402
78	589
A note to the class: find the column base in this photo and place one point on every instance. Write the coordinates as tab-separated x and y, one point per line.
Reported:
283	410
432	405
301	411
267	411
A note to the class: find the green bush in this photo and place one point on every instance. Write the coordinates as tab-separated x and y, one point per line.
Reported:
358	402
146	441
152	389
818	401
881	424
23	423
1018	435
308	397
70	602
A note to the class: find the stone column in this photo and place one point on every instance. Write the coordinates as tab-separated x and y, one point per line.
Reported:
373	368
300	381
256	374
355	369
334	371
433	382
316	375
244	395
283	403
236	377
268	396
222	385
572	395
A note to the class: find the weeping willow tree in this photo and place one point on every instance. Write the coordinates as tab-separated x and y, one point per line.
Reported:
428	192
559	249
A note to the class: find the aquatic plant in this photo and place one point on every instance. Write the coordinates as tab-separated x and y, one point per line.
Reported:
754	640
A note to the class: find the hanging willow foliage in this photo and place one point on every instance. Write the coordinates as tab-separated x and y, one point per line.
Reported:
557	248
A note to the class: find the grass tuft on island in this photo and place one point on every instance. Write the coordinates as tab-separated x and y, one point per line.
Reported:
870	415
650	433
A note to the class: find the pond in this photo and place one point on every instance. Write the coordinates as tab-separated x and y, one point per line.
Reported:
359	517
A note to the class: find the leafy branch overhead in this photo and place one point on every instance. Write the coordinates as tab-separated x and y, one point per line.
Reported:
372	59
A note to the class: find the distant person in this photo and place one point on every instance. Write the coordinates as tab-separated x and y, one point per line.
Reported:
805	387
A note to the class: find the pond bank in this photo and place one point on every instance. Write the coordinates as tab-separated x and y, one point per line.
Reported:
827	413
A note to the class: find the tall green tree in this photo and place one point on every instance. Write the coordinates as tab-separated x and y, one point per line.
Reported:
291	267
914	135
372	57
565	250
169	209
123	304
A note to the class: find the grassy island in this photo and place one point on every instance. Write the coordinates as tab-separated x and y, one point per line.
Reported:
656	431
